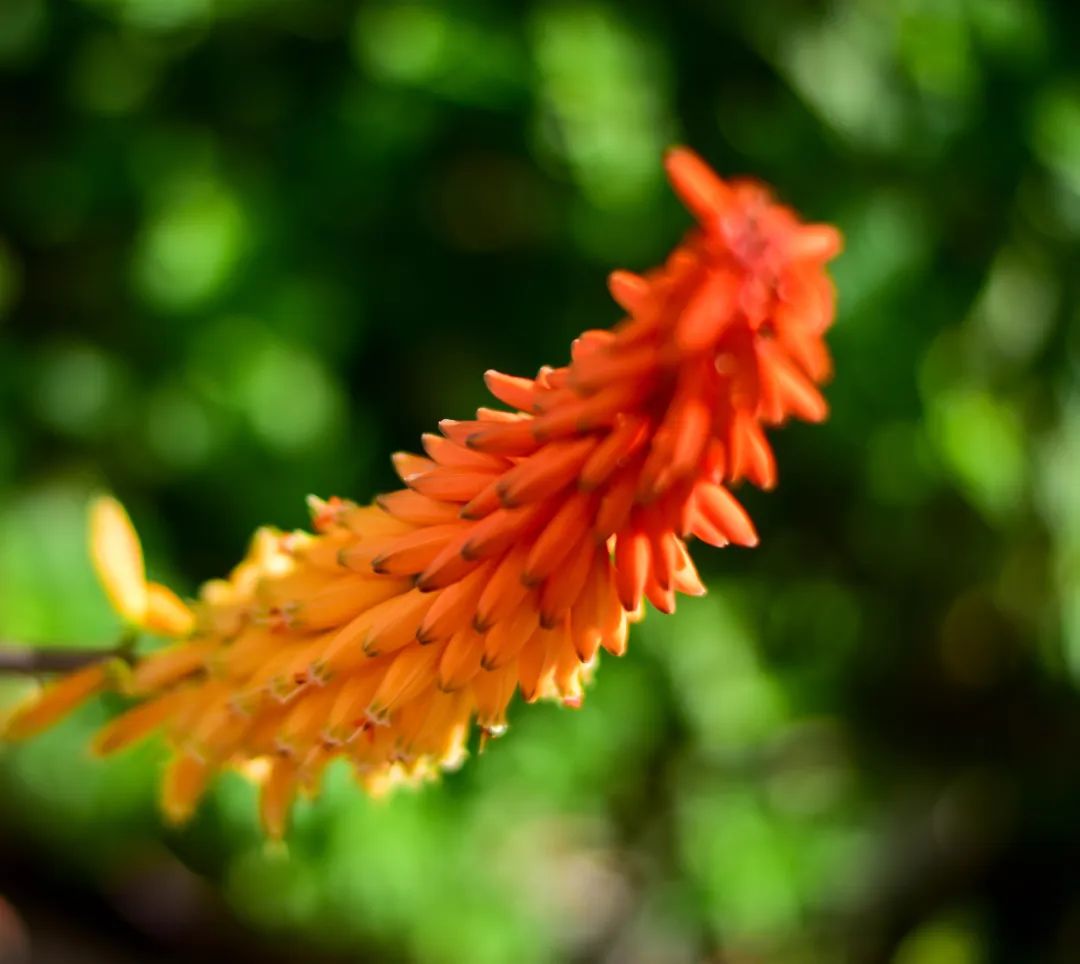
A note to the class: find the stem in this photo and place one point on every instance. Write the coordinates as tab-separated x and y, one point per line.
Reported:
19	659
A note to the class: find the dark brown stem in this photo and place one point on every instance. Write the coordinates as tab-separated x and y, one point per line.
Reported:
31	660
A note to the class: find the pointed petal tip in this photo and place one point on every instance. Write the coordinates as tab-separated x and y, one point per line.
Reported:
117	557
166	613
695	182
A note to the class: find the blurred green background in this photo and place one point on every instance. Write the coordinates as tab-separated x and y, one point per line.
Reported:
248	248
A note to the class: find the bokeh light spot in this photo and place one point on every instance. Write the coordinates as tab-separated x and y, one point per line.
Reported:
190	246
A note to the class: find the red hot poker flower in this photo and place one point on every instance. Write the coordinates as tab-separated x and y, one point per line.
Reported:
523	543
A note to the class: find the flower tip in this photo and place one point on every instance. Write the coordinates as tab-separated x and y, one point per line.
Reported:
116	554
816	242
56	701
696	184
324	512
184	784
166	613
628	289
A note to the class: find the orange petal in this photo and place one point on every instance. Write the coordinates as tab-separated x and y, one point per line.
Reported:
621	443
186	778
615	505
512	438
341	601
138	722
562	588
585	414
454	607
710	310
499	531
509	635
537	660
815	242
553	468
456	455
412	671
397	626
451	484
350	705
411	554
607	367
166	666
696	184
276	797
407	465
632	557
452	564
166	613
566	532
492	690
417	509
58	699
723	510
510	390
504	590
460	660
630	291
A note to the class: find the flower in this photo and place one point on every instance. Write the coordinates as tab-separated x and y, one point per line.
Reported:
524	542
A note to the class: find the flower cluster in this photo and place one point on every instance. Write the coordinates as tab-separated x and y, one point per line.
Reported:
524	542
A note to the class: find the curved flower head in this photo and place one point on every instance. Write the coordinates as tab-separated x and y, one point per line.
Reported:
524	541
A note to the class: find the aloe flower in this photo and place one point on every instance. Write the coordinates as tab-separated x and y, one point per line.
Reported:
524	542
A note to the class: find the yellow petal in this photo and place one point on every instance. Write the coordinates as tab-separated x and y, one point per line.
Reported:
118	559
57	700
166	613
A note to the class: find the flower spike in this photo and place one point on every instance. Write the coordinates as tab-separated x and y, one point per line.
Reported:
523	543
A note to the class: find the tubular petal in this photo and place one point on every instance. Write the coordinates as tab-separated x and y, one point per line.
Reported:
453	607
412	671
460	661
542	475
508	636
276	797
166	613
416	509
453	455
413	553
57	701
699	188
561	590
186	778
625	439
721	509
629	290
451	484
138	722
505	590
118	559
565	533
631	567
709	311
166	666
510	389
